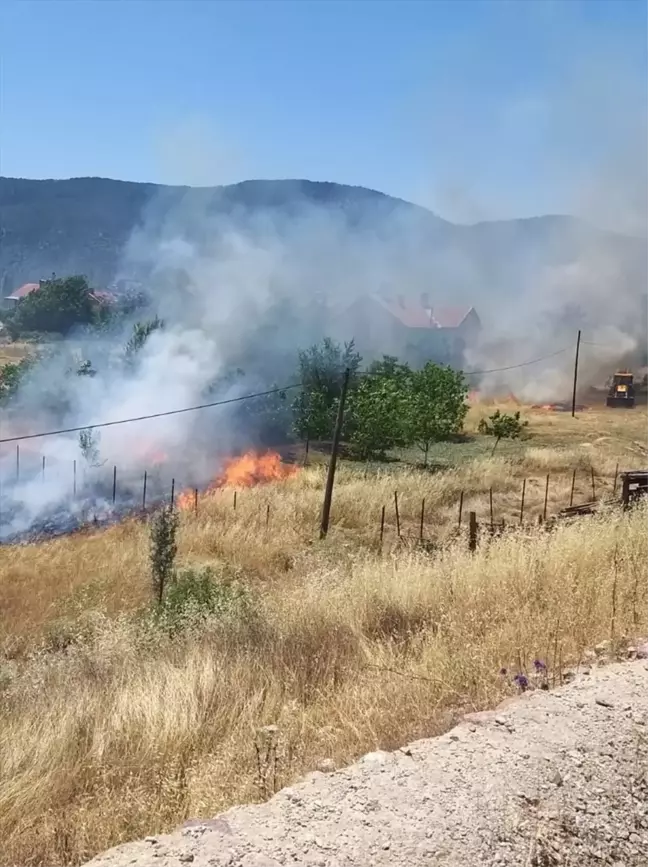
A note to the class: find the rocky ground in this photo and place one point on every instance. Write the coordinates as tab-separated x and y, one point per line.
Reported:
550	778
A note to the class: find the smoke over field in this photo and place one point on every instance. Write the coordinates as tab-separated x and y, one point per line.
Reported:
244	288
245	275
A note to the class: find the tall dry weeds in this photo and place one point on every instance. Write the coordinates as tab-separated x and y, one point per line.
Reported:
112	727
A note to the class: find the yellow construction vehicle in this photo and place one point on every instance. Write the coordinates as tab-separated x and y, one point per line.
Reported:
621	392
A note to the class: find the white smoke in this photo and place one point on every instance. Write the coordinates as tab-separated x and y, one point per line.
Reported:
594	130
244	276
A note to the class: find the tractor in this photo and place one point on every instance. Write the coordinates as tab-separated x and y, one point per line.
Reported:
621	393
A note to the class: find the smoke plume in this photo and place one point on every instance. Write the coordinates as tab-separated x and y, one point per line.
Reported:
243	276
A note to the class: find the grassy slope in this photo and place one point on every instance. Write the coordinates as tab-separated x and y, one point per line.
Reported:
109	730
14	352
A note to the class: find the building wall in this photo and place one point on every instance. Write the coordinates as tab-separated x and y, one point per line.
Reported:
377	332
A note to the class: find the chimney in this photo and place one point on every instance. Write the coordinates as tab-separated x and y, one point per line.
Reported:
425	304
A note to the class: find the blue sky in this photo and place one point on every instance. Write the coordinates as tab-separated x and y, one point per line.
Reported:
476	109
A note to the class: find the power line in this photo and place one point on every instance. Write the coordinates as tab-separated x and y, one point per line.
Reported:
604	345
242	397
229	401
515	366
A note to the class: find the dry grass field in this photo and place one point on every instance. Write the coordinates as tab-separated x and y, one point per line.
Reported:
14	352
114	724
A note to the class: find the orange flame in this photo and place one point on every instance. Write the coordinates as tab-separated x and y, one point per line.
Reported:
253	469
185	500
243	472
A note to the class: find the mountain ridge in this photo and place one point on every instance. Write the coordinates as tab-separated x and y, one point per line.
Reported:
83	225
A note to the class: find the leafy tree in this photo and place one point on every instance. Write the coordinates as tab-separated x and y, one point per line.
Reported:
502	425
437	405
391	367
89	446
313	415
321	372
59	305
141	333
11	377
377	413
269	417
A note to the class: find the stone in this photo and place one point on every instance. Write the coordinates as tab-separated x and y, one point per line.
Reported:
642	651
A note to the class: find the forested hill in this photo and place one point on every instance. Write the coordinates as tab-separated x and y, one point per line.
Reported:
81	226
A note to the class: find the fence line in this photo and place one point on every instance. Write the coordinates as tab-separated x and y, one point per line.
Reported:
129	509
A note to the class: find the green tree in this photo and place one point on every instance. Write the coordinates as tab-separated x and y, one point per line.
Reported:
141	333
321	372
12	375
58	306
437	405
391	367
502	425
312	415
269	417
378	409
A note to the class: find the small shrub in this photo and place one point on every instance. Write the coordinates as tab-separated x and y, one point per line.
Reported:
197	595
89	446
502	425
164	548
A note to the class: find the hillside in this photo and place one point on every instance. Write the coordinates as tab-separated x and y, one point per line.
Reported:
83	225
119	720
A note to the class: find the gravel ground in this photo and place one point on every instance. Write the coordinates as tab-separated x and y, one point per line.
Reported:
549	778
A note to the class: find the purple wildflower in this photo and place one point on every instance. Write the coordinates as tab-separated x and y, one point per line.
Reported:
522	681
539	665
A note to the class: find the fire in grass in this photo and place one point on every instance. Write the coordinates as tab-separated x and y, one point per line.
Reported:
245	471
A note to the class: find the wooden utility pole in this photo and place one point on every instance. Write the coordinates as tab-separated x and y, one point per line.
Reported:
578	339
330	477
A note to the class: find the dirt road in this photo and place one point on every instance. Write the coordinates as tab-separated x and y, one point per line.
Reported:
552	778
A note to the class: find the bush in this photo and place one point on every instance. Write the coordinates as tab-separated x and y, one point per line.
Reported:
163	548
502	425
12	376
197	595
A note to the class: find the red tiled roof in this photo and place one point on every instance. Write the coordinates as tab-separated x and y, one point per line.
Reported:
98	294
414	314
23	291
102	297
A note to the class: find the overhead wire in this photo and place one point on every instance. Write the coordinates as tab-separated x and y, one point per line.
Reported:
150	415
515	366
227	401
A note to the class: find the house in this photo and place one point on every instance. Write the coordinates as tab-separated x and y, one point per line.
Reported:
411	328
20	293
26	289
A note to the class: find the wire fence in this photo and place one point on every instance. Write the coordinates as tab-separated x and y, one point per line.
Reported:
93	496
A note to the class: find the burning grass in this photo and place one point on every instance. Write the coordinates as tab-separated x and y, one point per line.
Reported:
113	727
